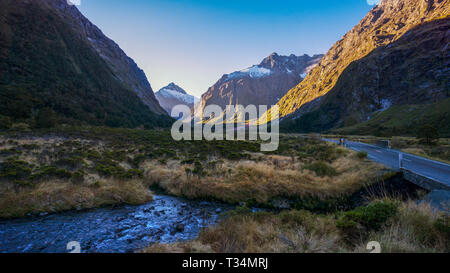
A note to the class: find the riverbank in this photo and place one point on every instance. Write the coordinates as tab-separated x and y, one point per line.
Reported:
58	196
399	227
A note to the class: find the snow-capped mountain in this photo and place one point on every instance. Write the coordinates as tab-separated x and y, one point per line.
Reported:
262	84
172	95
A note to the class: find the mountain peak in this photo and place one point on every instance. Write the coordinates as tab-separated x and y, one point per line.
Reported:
174	87
292	62
173	95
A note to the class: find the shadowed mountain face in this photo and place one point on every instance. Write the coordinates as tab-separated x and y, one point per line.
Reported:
262	84
383	25
173	95
412	71
52	56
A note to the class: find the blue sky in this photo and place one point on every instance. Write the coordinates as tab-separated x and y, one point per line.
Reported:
193	43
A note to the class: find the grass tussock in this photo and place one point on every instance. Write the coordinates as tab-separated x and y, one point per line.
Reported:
57	196
264	179
399	227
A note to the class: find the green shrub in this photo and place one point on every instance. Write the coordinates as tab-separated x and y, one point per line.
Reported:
45	118
198	169
302	155
361	155
77	177
9	152
47	172
443	226
355	225
72	163
238	211
138	159
14	169
30	146
132	173
188	161
211	165
20	127
163	161
427	134
109	170
372	216
93	155
321	169
5	122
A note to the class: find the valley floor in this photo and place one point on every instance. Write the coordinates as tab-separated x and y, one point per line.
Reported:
329	196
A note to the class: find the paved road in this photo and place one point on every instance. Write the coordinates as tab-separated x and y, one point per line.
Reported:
433	169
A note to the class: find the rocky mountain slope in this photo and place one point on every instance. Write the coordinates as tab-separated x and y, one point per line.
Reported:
262	84
172	95
389	67
52	56
411	73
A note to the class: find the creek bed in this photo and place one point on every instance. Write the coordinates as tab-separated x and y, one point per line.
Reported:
117	230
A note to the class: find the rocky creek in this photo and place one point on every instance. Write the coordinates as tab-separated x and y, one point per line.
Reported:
120	229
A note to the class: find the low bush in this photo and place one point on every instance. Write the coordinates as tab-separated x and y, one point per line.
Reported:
321	169
20	127
5	122
14	169
354	225
373	215
361	155
47	172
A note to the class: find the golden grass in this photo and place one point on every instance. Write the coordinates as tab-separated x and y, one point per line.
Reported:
57	196
263	180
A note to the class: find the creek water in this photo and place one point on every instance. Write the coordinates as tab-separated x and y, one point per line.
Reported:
120	229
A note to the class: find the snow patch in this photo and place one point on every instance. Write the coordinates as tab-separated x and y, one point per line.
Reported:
169	93
385	104
253	72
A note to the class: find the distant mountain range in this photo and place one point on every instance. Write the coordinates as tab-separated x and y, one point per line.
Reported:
52	56
396	56
172	95
262	84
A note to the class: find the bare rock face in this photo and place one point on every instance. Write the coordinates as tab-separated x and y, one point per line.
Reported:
123	67
173	95
383	25
263	84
